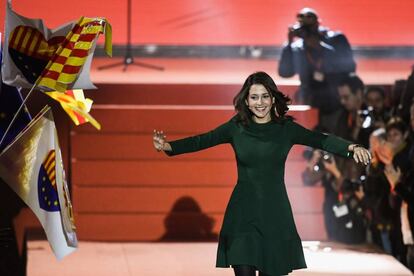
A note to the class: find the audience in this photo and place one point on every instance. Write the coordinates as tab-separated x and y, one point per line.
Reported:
379	200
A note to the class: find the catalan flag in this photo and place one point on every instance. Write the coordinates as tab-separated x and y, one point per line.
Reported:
63	68
76	106
60	58
32	166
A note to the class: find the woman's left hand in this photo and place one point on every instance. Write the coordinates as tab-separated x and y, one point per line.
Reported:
361	154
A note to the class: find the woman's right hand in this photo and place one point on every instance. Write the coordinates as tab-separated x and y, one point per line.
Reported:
158	140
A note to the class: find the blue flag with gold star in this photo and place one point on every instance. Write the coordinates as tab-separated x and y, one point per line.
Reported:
10	101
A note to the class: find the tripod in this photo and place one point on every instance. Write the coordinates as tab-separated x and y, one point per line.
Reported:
128	58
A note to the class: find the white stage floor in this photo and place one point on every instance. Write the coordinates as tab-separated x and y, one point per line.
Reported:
197	259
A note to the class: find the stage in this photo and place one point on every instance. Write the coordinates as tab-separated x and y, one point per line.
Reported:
198	259
232	71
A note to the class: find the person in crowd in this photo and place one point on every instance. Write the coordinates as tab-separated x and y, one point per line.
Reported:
322	167
405	98
350	213
322	58
397	133
380	212
401	183
375	102
358	121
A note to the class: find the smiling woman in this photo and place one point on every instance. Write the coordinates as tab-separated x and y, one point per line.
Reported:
261	98
258	231
260	102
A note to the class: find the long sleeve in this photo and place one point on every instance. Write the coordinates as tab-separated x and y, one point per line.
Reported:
286	63
220	135
339	59
330	143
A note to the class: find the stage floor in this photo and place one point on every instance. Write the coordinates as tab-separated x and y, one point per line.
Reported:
197	259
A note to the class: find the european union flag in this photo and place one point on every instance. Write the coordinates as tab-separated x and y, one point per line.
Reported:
10	101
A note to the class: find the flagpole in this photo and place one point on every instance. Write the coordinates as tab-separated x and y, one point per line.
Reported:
18	111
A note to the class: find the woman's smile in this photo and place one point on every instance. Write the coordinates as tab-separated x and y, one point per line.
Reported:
259	102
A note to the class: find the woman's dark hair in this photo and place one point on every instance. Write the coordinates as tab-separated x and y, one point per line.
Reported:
279	107
396	123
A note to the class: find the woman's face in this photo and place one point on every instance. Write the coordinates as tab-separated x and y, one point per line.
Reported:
260	103
395	137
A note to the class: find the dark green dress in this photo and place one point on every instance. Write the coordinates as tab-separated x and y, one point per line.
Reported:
258	227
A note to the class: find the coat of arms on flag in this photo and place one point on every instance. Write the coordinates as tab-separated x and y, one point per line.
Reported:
46	184
32	166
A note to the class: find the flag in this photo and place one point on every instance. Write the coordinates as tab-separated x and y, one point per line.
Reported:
32	166
76	106
10	101
63	68
30	46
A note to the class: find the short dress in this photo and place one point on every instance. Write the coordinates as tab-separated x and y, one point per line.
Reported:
258	227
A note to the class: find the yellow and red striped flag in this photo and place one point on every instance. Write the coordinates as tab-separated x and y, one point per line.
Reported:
76	106
64	67
29	46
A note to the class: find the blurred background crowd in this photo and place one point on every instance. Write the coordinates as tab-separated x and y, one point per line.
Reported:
373	204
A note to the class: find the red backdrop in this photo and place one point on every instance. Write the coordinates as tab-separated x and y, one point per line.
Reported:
231	22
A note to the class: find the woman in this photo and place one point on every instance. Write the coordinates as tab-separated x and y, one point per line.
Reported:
258	231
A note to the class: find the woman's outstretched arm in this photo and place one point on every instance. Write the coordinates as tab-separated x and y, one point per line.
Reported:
219	135
330	143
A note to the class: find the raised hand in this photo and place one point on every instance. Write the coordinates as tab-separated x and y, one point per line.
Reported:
158	140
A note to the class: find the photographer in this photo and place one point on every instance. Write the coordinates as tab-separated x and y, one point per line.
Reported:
375	100
322	58
350	213
359	117
342	206
321	166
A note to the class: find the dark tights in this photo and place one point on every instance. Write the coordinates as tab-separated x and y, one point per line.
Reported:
246	270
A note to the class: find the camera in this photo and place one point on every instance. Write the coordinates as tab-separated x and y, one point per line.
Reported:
325	157
367	116
350	186
300	30
354	185
303	31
